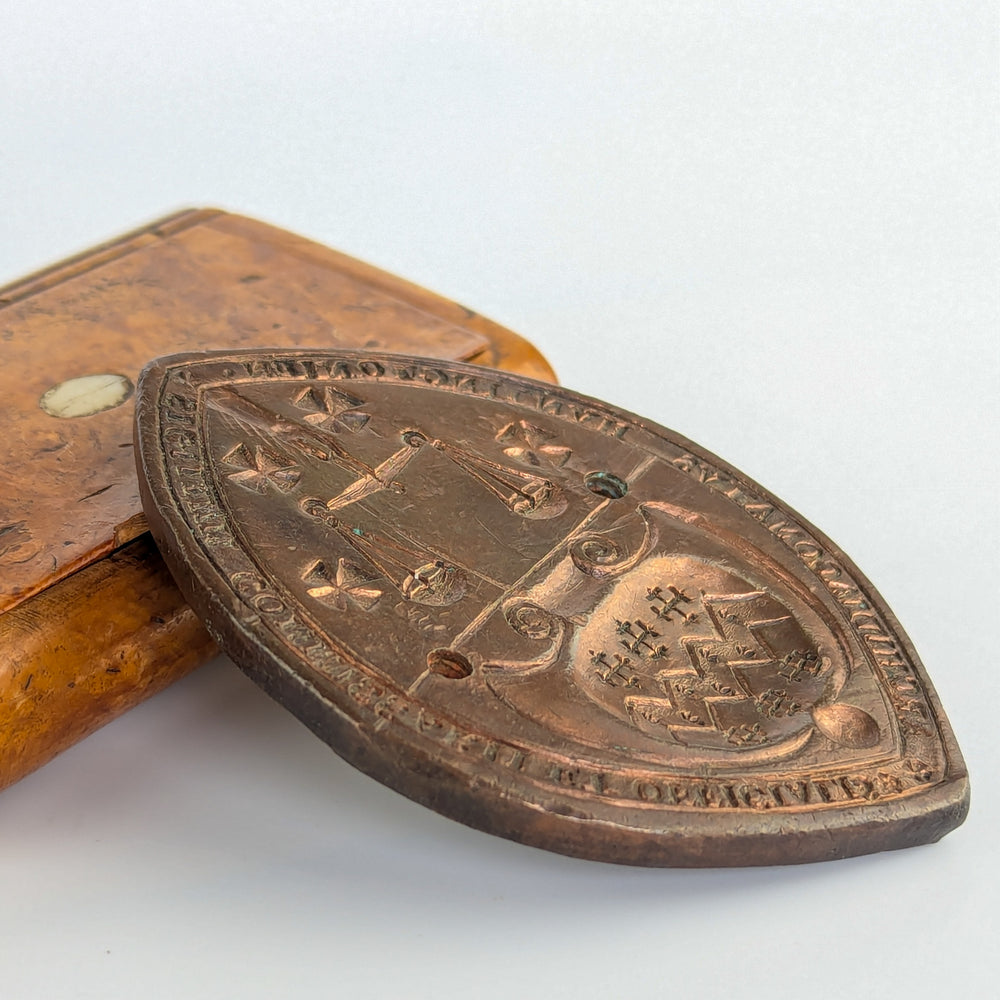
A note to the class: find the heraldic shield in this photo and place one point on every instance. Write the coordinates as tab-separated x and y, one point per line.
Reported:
540	615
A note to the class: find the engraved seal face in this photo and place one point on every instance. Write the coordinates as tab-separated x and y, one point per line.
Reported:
540	615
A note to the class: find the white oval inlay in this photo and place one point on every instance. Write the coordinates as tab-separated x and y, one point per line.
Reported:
80	397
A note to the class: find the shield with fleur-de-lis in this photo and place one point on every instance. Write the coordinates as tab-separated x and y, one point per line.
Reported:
539	614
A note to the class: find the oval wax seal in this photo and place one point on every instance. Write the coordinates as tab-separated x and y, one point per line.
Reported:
538	614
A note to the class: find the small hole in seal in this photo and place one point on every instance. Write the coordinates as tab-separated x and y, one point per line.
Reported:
449	663
606	484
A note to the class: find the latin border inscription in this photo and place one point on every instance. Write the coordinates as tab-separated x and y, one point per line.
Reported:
380	704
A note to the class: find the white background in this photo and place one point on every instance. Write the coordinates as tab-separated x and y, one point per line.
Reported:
771	226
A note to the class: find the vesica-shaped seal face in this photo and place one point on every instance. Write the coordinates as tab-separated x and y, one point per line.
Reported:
539	615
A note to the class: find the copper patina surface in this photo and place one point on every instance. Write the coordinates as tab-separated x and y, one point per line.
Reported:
540	615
